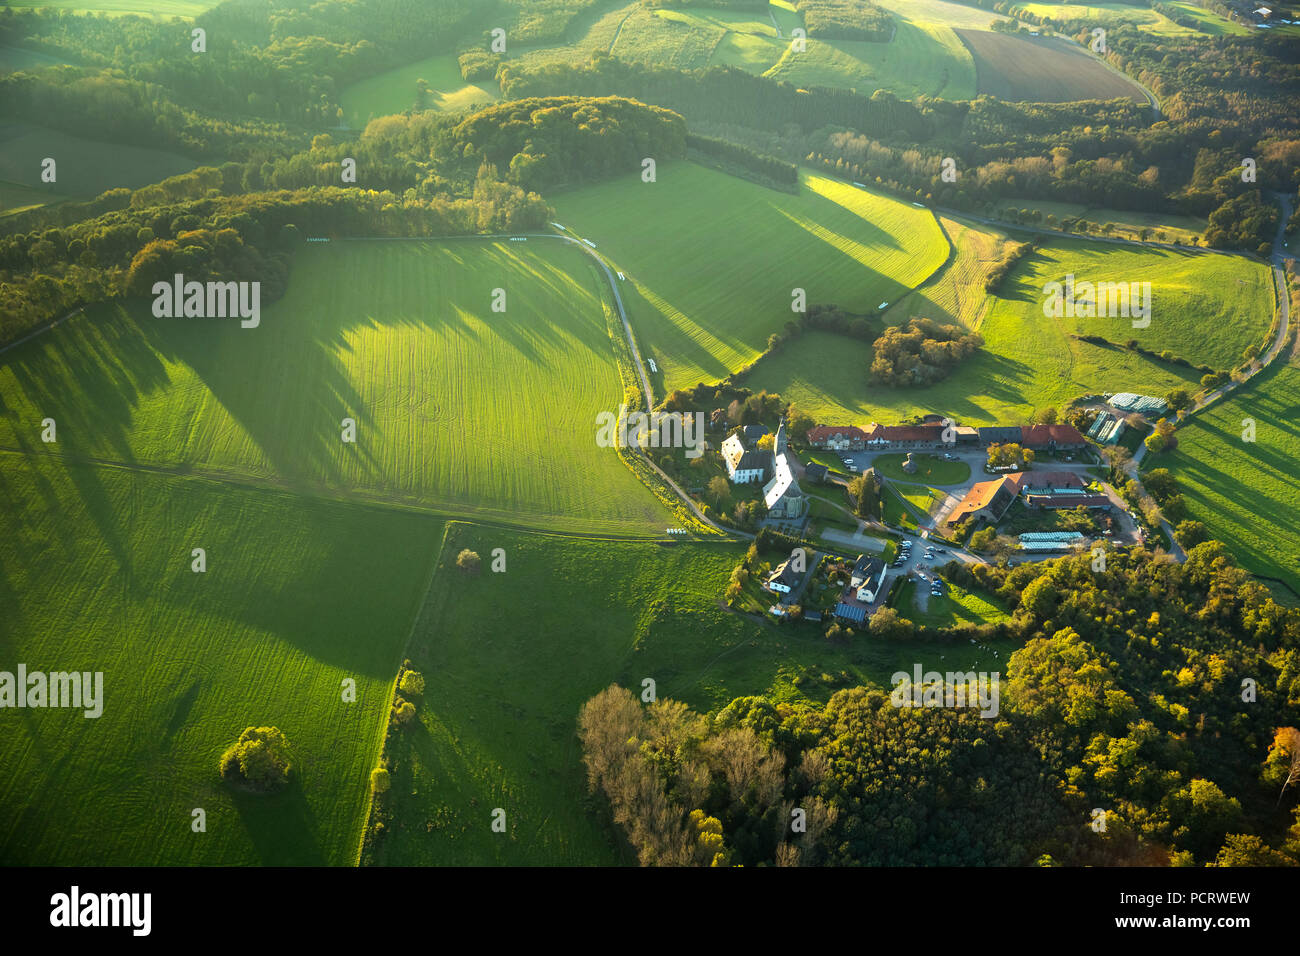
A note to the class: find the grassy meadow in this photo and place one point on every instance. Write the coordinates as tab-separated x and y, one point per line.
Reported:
395	91
1151	21
923	59
1030	361
83	168
1247	493
506	678
400	337
712	259
95	575
955	294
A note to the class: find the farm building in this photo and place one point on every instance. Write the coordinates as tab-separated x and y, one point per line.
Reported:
850	613
784	578
1072	500
999	435
1051	483
1049	540
816	473
1051	437
904	436
1142	404
988	499
744	465
867	577
1107	429
837	437
1059	489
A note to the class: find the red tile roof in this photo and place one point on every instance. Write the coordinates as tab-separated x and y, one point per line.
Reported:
1041	435
904	432
822	432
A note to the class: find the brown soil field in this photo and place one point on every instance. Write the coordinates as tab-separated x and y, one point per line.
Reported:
1042	70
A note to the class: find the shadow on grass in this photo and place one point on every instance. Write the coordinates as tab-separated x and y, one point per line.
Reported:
281	826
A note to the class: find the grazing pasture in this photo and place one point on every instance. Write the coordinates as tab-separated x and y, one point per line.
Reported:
1043	70
505	679
298	595
395	91
712	260
1245	492
457	408
1205	308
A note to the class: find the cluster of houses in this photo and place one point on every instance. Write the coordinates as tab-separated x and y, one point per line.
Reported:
939	435
990	500
865	586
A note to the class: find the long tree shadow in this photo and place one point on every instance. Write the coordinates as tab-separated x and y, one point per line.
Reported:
281	826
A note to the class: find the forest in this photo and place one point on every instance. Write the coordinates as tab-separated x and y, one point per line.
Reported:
1161	694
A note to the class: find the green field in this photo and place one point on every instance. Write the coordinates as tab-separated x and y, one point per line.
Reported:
457	408
955	294
156	8
15	198
930	469
1030	361
20	58
923	59
712	259
298	595
395	91
1247	493
1105	14
83	168
955	606
958	16
1209	21
506	677
1128	224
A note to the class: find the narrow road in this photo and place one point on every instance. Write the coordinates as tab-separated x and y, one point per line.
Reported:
645	387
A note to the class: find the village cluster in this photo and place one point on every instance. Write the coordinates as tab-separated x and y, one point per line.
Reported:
1054	469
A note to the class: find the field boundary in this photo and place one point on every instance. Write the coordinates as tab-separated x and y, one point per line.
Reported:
382	737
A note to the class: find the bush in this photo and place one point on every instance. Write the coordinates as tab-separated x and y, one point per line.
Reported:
403	711
259	759
412	684
379	780
469	561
